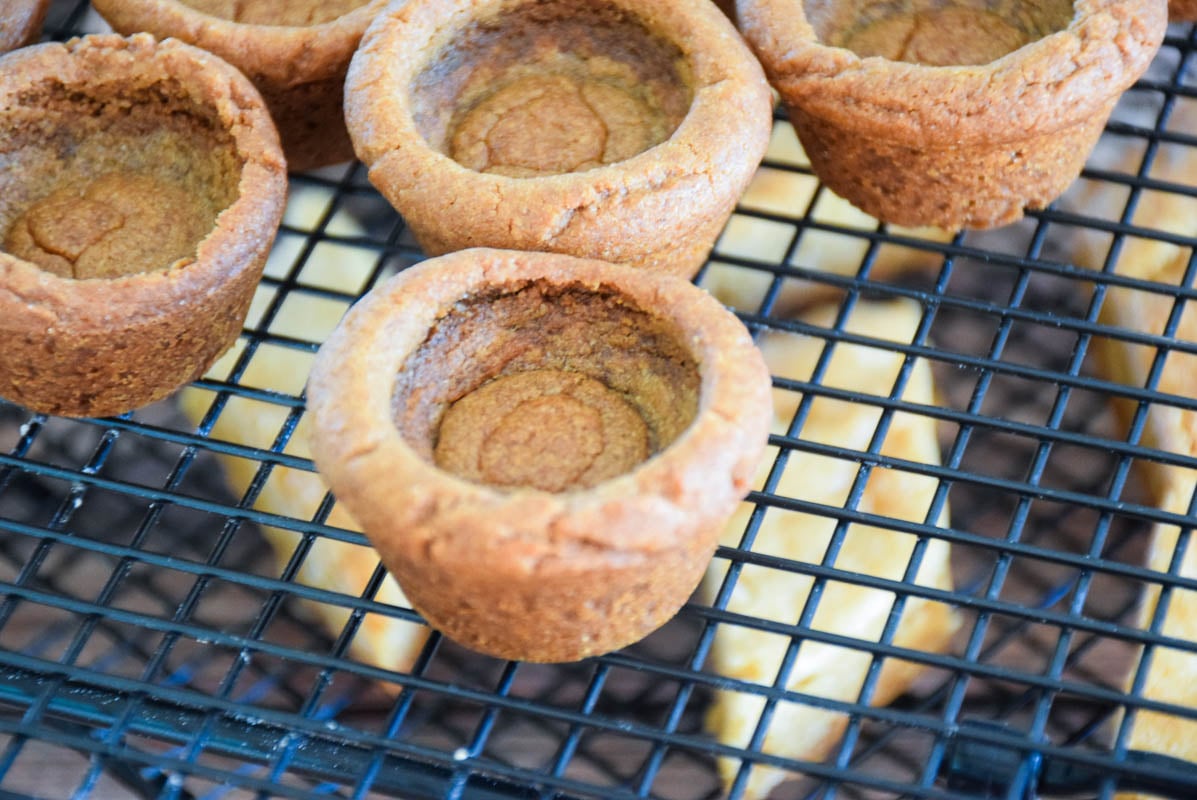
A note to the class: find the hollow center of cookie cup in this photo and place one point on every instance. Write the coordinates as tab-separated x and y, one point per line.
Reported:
546	386
551	88
934	32
114	183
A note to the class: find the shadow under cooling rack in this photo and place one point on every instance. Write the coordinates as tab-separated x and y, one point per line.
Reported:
155	643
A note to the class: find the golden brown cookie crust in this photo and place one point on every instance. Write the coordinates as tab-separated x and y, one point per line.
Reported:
104	345
660	208
299	69
523	572
958	146
21	22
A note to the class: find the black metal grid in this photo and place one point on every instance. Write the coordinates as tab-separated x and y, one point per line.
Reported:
150	646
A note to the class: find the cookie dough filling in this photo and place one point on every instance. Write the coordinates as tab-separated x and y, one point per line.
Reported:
961	33
552	88
121	224
276	12
546	388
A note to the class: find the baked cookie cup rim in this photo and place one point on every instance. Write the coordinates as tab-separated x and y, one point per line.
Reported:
1051	83
390	489
285	55
381	123
243	231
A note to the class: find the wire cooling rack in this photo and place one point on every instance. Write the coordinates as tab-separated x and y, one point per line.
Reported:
152	646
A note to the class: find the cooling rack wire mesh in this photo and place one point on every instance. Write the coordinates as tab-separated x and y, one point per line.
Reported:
151	645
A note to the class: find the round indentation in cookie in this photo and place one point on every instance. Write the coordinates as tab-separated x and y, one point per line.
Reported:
940	37
955	33
552	88
142	186
612	353
636	402
122	223
546	429
552	124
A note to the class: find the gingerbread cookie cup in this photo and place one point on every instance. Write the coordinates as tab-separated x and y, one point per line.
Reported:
957	115
21	22
542	448
295	51
614	129
142	187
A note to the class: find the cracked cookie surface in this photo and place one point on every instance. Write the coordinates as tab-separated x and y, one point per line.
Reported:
121	224
551	124
548	429
938	37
